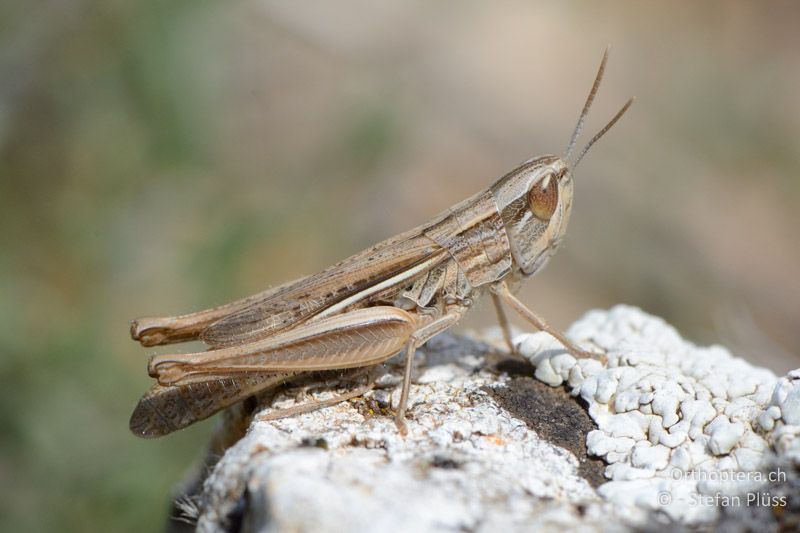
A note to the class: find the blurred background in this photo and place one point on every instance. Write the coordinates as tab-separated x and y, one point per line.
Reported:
161	157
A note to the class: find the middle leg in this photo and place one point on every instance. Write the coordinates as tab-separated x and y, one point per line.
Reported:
452	315
505	325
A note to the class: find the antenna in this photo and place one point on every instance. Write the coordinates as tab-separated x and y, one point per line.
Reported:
603	131
582	118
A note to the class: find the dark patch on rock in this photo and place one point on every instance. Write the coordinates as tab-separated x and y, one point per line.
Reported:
310	442
552	413
369	407
449	348
235	518
515	367
445	463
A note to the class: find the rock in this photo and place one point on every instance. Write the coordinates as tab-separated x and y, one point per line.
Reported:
499	444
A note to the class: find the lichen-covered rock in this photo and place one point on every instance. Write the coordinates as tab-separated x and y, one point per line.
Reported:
685	430
491	448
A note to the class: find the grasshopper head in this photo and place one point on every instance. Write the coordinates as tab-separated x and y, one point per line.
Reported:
535	199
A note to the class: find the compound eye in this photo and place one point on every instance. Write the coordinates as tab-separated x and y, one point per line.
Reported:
543	197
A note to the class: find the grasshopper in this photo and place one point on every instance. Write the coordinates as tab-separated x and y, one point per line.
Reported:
365	309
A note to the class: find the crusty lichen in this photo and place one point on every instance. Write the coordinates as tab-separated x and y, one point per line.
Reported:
677	423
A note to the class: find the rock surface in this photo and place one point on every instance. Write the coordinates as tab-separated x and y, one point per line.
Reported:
678	428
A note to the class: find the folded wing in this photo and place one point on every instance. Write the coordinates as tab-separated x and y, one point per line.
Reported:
163	410
309	296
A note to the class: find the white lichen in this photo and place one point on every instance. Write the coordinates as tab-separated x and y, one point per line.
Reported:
671	415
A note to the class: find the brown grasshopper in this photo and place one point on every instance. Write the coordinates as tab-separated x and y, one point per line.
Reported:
365	309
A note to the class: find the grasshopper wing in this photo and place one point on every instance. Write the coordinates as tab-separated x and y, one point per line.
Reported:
163	410
393	262
158	330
